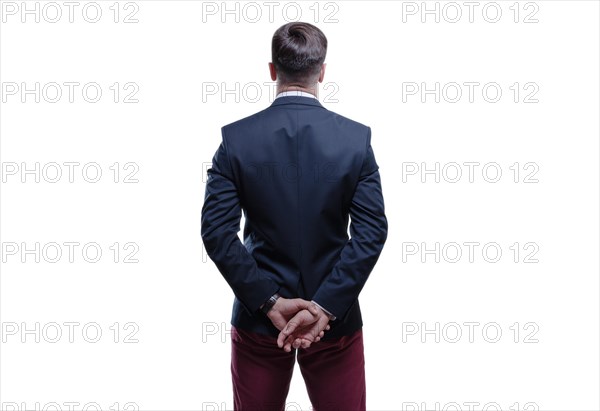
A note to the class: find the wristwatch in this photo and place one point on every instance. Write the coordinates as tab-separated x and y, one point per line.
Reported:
270	303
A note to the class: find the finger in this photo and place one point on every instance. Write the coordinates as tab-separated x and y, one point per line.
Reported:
283	335
302	304
286	333
289	340
313	309
301	342
280	340
306	305
290	327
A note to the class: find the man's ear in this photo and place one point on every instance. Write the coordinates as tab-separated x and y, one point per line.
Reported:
272	71
322	75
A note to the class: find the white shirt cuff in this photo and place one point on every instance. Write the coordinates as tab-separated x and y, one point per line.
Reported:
331	316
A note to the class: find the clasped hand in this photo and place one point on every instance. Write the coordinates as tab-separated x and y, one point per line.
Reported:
300	322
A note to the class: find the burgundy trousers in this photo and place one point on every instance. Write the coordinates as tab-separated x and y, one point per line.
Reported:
333	371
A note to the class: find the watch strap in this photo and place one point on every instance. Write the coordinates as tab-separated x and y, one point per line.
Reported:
270	303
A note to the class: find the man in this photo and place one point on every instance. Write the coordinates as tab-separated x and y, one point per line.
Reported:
299	172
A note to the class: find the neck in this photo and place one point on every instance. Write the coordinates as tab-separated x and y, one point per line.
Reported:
294	87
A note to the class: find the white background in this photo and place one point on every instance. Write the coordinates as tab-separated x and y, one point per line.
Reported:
181	57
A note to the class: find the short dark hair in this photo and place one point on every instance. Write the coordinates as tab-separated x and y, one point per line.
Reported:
298	52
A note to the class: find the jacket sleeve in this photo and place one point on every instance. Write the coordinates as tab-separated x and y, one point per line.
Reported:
220	223
368	233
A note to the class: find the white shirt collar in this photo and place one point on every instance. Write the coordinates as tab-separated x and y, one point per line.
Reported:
296	93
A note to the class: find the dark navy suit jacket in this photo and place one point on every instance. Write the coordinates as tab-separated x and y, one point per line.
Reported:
298	172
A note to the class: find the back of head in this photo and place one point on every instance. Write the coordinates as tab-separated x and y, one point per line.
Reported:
298	52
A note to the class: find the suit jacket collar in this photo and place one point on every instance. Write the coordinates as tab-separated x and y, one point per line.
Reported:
308	101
